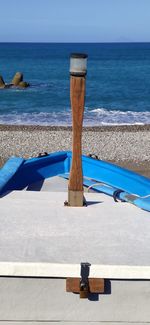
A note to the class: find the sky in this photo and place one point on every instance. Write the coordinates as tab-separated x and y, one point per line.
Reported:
75	21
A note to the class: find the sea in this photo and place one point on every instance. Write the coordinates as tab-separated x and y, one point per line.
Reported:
117	83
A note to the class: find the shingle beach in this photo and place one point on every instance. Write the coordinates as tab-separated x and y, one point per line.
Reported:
128	146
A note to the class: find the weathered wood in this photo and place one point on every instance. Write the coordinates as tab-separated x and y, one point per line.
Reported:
77	95
95	285
75	198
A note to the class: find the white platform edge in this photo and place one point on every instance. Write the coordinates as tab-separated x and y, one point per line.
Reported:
18	269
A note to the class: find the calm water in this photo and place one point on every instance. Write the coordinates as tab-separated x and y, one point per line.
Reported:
117	92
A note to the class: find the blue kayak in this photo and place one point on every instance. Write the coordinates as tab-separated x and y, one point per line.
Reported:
101	176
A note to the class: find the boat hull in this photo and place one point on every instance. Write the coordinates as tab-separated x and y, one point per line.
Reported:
118	182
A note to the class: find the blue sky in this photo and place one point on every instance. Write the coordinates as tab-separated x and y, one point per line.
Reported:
74	20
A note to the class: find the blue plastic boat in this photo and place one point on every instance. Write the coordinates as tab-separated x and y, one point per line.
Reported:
101	176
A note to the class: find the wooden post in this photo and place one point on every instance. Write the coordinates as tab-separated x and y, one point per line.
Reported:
77	96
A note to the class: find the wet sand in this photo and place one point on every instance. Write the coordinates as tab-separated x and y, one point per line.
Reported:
128	146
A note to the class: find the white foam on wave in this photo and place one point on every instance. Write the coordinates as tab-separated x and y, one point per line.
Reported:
103	116
97	117
41	118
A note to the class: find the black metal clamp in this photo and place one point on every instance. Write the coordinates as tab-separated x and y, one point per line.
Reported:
93	155
84	281
85	285
42	154
116	195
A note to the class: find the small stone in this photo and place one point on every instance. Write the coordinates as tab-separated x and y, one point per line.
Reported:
17	78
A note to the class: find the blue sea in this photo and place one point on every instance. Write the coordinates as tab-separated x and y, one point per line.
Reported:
117	83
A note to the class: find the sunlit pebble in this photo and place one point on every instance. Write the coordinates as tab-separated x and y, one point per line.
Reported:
110	145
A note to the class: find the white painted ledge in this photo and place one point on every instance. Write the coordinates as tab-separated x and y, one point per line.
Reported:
17	269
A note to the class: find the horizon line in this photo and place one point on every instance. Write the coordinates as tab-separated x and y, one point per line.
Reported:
67	42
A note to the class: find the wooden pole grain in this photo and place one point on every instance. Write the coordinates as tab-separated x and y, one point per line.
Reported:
77	96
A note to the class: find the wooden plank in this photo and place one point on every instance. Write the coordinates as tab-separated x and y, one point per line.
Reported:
95	285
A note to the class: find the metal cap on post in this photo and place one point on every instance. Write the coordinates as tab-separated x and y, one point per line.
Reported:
78	69
78	64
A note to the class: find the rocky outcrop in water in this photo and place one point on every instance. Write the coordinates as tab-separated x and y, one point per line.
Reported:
18	77
23	84
17	81
2	83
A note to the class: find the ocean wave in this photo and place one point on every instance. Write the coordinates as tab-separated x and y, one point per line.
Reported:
41	118
115	117
92	117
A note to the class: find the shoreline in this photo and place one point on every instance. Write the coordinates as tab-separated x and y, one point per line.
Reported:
125	145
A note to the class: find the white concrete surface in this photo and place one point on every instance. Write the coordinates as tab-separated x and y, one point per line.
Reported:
66	323
52	184
42	242
36	228
28	299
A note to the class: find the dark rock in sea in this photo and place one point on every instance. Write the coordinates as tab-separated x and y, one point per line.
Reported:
2	83
23	84
8	86
16	82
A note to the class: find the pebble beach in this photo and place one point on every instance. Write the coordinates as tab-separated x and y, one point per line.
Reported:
128	146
